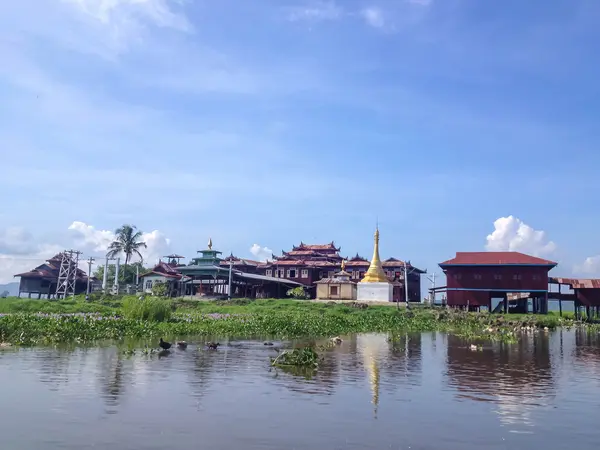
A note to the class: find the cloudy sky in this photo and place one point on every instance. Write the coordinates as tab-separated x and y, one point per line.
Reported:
457	124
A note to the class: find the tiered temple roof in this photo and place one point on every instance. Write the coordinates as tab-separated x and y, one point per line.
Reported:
50	269
316	255
237	262
166	269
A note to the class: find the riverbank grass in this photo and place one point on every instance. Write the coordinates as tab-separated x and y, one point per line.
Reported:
31	322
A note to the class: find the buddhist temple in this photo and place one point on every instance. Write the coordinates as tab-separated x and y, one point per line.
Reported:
337	287
375	285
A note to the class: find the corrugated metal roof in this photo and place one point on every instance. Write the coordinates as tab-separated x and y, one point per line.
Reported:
253	276
577	283
496	258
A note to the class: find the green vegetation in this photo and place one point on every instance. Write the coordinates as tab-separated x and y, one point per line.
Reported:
127	273
160	289
306	357
29	322
297	293
153	309
128	242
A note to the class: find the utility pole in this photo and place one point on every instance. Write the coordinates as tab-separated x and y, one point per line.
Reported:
105	276
116	281
89	274
230	270
432	290
406	284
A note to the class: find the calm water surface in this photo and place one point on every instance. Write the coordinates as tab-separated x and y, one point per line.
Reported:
429	391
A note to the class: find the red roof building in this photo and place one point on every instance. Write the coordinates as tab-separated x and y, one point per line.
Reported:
475	278
310	263
163	272
43	279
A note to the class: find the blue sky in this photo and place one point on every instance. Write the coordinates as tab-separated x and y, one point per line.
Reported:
271	122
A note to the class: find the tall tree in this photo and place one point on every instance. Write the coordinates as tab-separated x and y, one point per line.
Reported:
127	241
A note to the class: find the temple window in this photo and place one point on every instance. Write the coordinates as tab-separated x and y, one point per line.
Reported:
292	273
304	273
497	276
269	272
333	290
517	276
148	284
477	276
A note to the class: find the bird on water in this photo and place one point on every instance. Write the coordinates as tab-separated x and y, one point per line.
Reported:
212	345
164	345
182	345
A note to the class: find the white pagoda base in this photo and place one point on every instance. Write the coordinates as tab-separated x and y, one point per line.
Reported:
375	292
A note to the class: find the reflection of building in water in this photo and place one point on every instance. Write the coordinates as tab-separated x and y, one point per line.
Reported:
406	357
517	377
374	349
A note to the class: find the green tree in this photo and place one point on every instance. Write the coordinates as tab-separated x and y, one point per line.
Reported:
126	273
128	242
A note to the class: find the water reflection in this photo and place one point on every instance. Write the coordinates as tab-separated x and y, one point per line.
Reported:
516	377
418	390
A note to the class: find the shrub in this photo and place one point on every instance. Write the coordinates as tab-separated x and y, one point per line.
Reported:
147	308
297	292
160	289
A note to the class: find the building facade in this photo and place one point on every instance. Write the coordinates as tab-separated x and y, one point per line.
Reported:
473	279
163	272
310	263
42	280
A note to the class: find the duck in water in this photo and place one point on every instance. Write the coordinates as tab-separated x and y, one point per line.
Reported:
182	345
164	345
212	345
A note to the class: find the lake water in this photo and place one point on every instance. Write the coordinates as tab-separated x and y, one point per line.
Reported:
428	391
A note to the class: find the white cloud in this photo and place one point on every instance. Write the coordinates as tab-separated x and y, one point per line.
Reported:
512	234
374	17
590	266
261	253
420	2
16	240
20	252
158	12
91	240
120	23
318	11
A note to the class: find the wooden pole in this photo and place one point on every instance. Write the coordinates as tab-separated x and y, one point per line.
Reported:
559	300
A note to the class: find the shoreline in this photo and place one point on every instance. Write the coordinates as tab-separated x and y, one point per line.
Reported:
64	321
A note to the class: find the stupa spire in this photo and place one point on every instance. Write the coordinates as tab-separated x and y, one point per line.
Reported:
375	274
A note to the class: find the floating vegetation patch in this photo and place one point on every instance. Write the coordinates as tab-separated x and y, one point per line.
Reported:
305	357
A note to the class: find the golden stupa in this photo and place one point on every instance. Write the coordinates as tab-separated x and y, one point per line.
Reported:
375	274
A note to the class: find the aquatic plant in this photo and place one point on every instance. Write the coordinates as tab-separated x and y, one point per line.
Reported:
305	357
108	317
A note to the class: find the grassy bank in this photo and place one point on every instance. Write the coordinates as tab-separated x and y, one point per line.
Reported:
30	322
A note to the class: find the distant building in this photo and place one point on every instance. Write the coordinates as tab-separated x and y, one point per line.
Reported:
241	264
209	274
337	287
473	279
394	270
163	272
42	280
309	263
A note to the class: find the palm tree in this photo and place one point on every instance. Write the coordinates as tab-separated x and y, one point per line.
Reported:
127	242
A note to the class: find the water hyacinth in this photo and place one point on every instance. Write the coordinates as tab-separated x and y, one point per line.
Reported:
260	318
